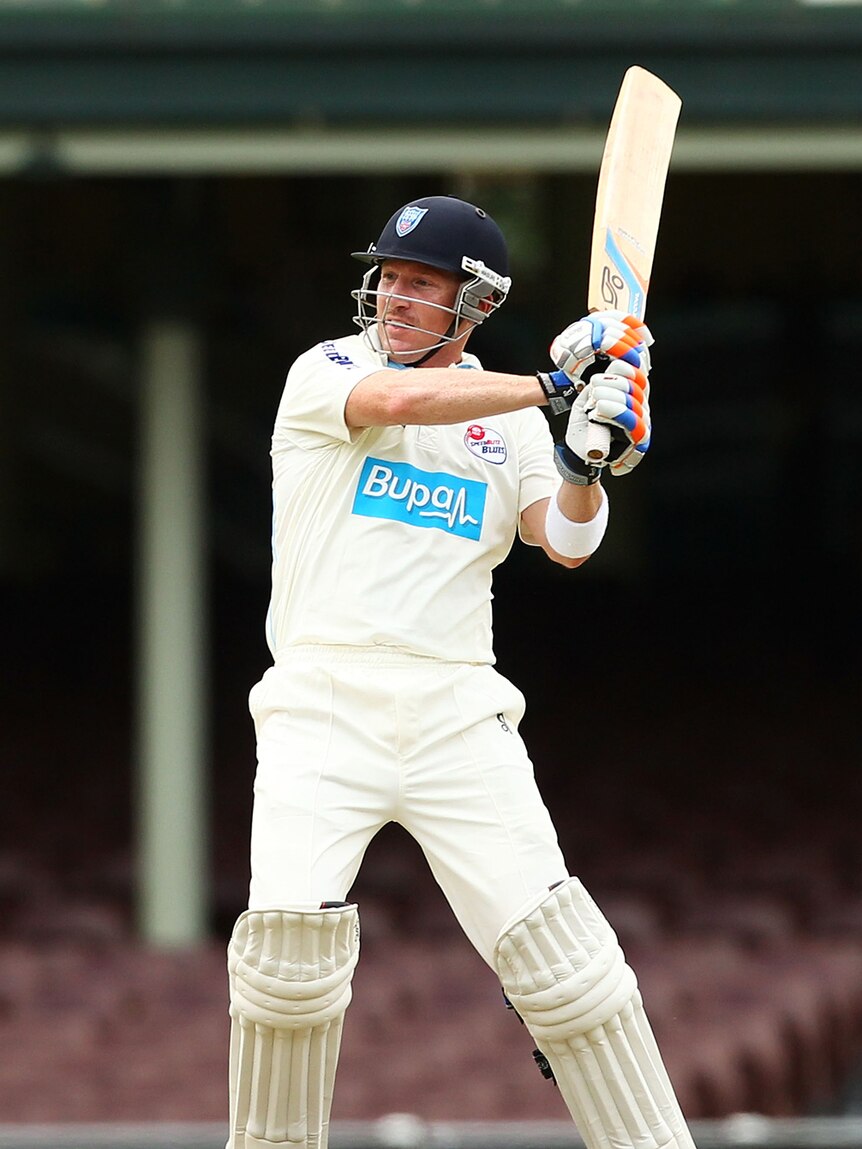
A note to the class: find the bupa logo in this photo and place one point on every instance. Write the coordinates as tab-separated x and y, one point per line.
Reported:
420	498
409	219
485	443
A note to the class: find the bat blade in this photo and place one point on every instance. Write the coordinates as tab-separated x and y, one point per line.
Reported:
628	204
630	192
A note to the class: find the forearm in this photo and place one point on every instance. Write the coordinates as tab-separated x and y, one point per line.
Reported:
579	504
569	525
574	524
438	395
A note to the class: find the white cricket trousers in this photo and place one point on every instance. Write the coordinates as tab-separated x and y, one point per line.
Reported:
351	738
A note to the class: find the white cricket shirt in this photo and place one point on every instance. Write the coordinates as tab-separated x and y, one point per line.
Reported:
389	535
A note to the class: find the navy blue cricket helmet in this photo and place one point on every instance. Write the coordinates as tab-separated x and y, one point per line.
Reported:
441	231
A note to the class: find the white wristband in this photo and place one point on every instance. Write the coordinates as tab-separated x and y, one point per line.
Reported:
575	540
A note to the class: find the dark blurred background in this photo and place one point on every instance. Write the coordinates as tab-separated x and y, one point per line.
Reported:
693	693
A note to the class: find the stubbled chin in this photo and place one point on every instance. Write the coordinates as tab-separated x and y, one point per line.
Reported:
406	357
396	344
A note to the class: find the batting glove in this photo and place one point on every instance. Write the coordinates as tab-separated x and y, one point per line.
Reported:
608	334
600	335
618	397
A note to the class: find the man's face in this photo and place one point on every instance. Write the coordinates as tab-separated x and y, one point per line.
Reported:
410	307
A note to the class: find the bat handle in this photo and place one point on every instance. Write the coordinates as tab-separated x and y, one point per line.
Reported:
598	441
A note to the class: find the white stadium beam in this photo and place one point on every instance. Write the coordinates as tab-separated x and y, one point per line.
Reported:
389	150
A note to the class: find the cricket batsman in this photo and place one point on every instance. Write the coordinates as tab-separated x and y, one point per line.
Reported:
402	472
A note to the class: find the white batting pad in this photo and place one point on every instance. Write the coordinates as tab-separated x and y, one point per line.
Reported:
290	984
566	976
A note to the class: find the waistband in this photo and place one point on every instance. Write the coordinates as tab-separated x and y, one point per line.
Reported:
368	655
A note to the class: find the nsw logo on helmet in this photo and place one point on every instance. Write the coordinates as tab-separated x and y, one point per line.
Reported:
409	219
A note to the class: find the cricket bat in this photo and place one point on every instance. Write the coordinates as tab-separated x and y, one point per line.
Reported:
628	204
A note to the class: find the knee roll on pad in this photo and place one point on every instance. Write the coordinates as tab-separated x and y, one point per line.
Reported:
566	976
291	969
290	974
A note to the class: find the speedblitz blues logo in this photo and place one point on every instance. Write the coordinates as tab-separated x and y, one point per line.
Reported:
420	498
485	443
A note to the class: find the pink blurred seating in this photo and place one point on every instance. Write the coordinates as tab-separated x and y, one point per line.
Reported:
735	889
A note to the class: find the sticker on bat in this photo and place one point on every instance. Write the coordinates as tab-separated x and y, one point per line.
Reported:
621	279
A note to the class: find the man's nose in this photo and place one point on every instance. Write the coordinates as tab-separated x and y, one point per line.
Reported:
395	289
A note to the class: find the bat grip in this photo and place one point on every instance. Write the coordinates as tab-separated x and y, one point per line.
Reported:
598	441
